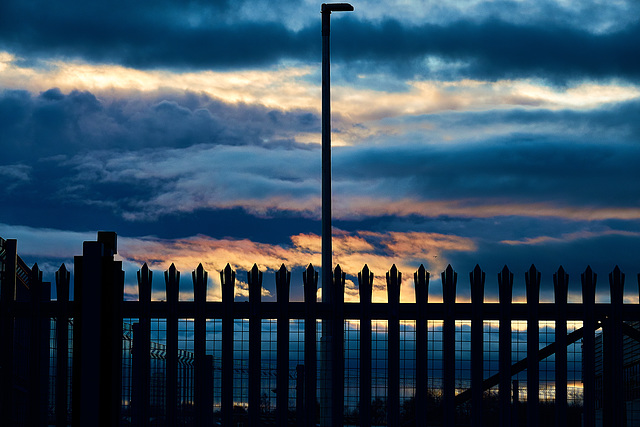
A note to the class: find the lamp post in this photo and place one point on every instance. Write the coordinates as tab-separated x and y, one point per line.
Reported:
327	263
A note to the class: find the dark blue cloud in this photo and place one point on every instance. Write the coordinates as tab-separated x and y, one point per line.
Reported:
53	123
41	135
617	119
525	168
495	49
149	35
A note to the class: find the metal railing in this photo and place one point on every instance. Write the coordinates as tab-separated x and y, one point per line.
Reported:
609	358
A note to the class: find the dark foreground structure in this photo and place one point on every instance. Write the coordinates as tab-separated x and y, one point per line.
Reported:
97	360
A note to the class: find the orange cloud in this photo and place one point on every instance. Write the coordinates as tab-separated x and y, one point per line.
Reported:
351	251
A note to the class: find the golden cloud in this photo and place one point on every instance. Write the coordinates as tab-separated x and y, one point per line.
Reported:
287	87
351	251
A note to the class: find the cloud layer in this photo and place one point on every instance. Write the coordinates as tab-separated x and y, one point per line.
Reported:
486	42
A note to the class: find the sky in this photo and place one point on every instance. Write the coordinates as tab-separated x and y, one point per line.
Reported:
464	132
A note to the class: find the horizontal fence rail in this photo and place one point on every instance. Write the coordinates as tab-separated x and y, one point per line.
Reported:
97	359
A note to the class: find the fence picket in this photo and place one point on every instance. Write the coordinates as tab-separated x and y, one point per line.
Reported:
589	279
365	288
142	349
62	277
561	289
421	285
394	279
613	360
449	281
505	290
337	348
283	279
227	281
254	279
310	282
476	279
172	289
39	348
532	279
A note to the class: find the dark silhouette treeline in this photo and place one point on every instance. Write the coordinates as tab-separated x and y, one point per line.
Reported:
79	342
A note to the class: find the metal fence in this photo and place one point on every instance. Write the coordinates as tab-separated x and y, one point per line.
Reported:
100	360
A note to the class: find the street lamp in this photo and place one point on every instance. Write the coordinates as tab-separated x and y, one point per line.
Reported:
327	263
331	401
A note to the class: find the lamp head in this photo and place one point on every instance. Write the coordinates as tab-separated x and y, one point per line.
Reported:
336	7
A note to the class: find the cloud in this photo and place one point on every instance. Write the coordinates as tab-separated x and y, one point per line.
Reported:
378	250
45	242
13	175
601	249
497	45
569	237
144	159
54	123
380	181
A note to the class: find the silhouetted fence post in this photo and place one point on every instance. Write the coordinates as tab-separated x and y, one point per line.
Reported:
365	288
505	287
421	284
449	280
7	299
337	345
394	279
613	410
200	277
98	283
39	349
476	282
139	381
310	282
532	279
283	278
62	346
589	279
561	288
142	350
227	280
254	280
172	285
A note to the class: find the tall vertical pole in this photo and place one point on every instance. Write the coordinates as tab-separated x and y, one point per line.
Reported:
327	262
